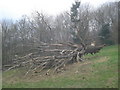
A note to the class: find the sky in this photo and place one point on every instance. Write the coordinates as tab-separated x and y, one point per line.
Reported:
14	9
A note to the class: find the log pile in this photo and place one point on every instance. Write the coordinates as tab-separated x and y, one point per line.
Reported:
55	59
58	60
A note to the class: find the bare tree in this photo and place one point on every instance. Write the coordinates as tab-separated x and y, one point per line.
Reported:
62	28
107	13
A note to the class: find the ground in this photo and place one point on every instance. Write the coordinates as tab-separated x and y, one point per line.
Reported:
96	71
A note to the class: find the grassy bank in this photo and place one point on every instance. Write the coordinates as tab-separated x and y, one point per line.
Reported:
97	71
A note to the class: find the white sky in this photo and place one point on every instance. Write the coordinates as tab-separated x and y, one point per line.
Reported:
16	8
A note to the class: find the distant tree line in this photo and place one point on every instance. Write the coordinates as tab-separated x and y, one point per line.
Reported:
99	25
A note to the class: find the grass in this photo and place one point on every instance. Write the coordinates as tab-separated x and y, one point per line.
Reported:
97	71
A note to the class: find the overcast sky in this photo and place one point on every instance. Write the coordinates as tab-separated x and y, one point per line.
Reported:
16	8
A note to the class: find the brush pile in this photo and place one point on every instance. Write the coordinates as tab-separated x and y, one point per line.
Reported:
49	56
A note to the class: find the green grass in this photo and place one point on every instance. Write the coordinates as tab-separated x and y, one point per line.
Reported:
98	71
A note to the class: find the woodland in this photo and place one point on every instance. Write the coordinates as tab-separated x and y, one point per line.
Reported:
41	41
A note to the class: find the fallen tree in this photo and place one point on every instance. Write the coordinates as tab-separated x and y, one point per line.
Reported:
93	49
59	60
